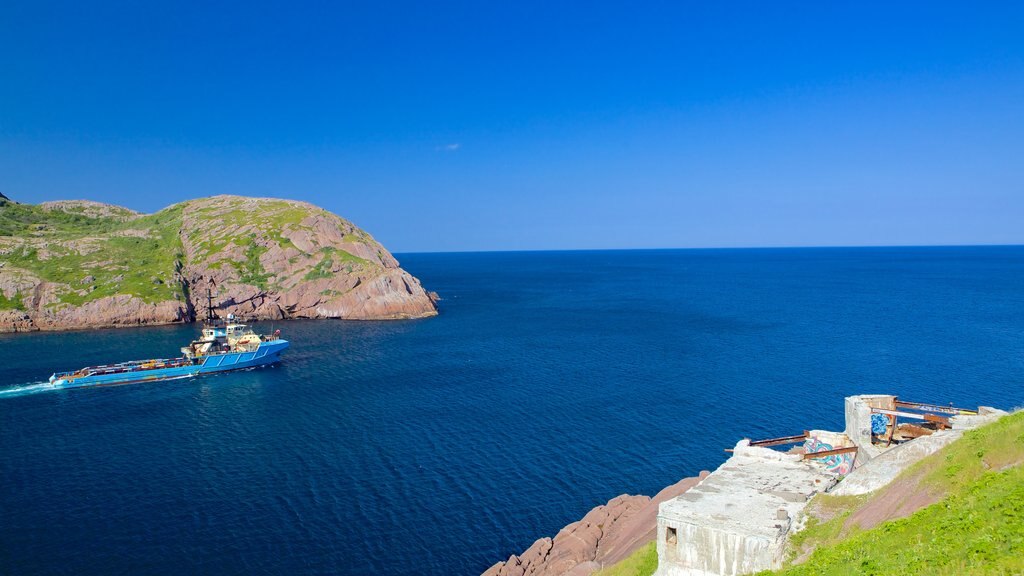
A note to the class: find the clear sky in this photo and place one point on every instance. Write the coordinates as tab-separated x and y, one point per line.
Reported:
547	125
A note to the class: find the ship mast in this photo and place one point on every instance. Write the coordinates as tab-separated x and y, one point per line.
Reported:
211	317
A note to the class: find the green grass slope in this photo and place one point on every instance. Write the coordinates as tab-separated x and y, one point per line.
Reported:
976	528
643	562
88	251
123	252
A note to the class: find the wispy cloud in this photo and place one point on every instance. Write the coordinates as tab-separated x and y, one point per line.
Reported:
448	147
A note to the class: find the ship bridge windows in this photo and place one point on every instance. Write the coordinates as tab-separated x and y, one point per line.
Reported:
235	329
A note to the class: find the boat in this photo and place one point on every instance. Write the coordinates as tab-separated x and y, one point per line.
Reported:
223	346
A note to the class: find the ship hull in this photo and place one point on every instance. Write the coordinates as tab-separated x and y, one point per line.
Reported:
127	377
267	353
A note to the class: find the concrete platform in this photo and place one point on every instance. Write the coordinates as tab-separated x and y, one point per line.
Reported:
736	520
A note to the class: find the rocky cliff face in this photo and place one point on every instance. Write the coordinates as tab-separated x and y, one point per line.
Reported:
606	535
81	264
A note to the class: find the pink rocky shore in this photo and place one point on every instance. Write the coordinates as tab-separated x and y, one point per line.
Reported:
606	535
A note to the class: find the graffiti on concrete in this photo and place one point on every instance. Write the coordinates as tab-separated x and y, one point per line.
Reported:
841	464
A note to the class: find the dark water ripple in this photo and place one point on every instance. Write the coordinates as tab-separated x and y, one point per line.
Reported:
550	383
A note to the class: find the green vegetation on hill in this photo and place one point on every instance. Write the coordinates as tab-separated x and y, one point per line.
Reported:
89	251
642	562
330	254
272	217
250	270
11	303
94	255
71	221
977	528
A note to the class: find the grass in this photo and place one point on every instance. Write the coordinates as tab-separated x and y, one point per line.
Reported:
121	264
978	528
251	271
323	268
357	237
14	303
29	219
272	214
272	217
139	255
643	562
826	523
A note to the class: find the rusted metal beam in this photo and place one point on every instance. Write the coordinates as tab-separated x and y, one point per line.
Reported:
941	421
922	407
892	430
780	441
827	453
928	417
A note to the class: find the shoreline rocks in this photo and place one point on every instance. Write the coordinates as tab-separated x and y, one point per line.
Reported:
604	536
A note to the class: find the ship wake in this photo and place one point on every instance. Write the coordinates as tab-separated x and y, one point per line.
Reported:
26	389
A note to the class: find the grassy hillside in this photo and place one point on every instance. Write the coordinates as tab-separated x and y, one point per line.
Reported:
94	252
977	526
643	562
90	251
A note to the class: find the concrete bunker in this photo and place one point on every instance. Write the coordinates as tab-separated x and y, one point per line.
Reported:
736	521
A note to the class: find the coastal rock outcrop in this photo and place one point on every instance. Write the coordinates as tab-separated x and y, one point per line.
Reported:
81	264
605	535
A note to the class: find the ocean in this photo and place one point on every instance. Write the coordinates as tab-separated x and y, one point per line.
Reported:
549	383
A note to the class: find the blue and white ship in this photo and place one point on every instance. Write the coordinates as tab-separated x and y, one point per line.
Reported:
223	346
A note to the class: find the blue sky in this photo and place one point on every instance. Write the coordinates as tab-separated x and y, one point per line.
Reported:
509	126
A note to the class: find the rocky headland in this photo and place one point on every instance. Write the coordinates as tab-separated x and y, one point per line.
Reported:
82	264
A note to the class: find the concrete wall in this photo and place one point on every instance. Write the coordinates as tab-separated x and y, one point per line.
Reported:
736	520
706	551
858	422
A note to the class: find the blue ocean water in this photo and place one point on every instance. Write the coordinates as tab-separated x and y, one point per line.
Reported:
550	383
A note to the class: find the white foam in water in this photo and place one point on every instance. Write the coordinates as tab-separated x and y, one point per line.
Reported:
27	388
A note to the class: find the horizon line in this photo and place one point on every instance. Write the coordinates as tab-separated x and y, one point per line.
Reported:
716	248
